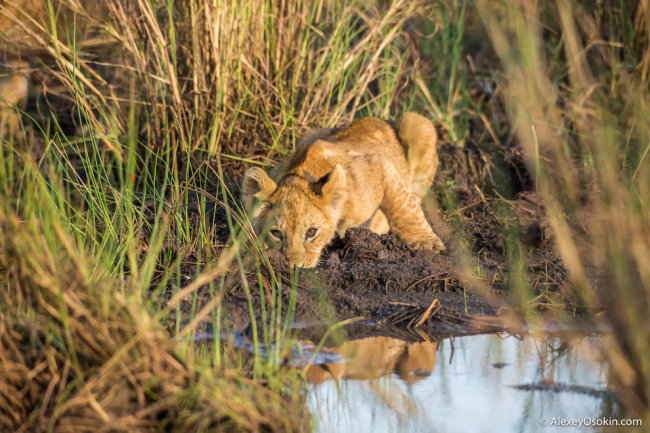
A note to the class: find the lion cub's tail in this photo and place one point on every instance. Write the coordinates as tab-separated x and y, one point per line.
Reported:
419	138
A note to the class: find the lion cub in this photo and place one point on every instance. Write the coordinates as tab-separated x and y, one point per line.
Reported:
364	175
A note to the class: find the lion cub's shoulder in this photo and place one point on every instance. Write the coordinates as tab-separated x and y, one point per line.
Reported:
319	151
367	129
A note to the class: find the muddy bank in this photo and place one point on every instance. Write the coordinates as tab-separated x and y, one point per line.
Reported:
380	278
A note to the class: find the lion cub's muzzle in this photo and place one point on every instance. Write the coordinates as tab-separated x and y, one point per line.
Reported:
300	260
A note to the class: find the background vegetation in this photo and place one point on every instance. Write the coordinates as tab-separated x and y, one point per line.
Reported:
142	114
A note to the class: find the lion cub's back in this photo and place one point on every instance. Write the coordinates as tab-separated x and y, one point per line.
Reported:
320	149
376	138
370	136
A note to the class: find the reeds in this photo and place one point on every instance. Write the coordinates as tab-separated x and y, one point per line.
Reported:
237	78
578	104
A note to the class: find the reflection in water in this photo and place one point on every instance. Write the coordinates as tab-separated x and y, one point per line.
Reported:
370	358
389	385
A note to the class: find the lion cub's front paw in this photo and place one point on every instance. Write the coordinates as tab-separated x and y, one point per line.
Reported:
429	243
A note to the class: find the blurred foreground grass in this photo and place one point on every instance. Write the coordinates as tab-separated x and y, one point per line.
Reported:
147	110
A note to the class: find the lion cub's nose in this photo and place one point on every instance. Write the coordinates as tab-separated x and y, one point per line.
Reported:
295	254
295	261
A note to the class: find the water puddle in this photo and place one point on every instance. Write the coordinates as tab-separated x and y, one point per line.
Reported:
480	383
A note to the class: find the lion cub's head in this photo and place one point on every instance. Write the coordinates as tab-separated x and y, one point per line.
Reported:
297	215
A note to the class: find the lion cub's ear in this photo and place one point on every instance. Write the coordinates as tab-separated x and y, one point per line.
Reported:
257	185
331	187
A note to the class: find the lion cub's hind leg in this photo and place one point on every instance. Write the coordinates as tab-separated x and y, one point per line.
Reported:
419	138
404	213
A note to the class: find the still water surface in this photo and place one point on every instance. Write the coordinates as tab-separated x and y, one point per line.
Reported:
464	385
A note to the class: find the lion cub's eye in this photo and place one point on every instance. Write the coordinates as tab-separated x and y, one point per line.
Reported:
311	233
276	234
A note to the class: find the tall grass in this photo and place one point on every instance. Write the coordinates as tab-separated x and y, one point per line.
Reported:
443	82
92	263
229	77
80	353
578	104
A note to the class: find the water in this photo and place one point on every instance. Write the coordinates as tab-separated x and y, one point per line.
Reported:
466	385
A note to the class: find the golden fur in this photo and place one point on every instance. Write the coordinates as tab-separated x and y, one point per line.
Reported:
364	175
